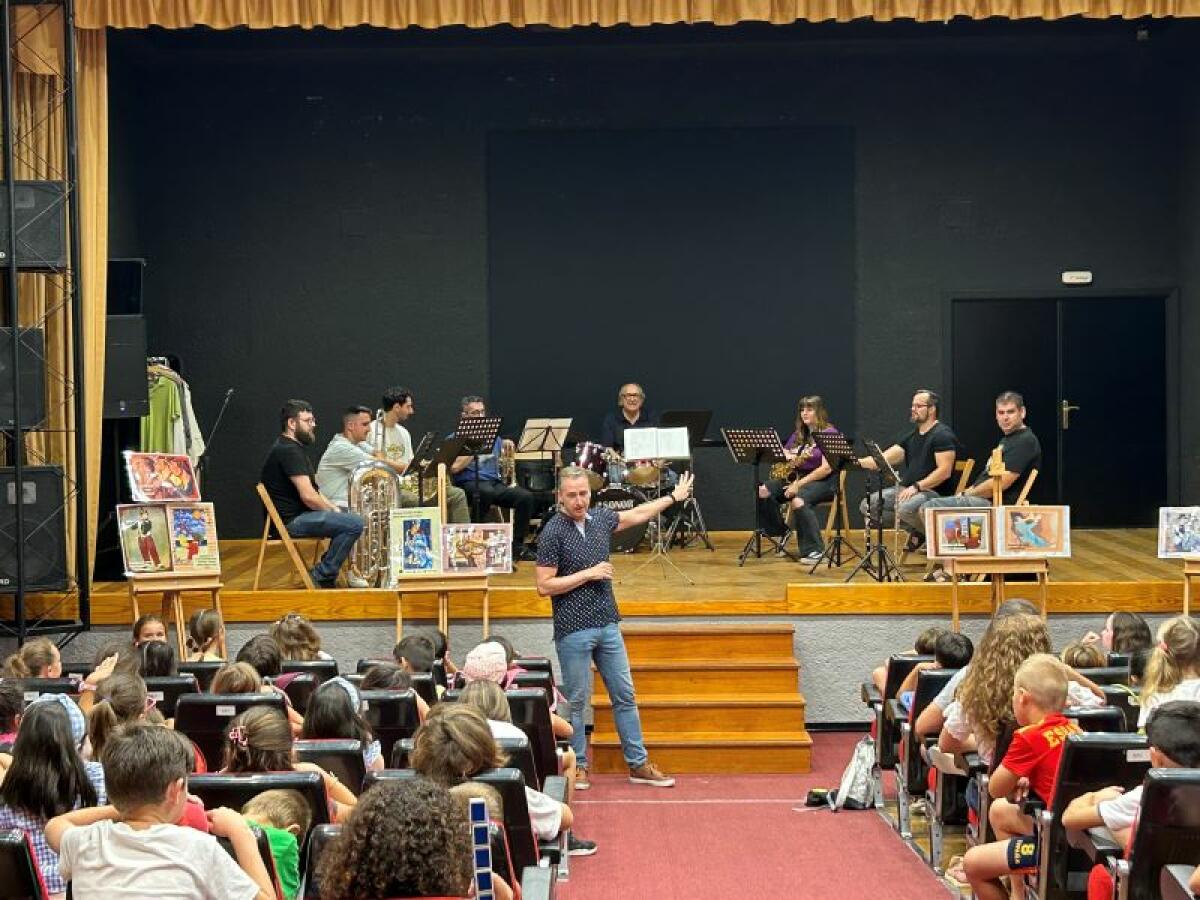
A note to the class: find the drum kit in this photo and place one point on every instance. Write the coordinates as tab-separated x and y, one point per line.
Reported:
621	485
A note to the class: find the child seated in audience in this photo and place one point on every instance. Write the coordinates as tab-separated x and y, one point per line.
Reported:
120	700
156	659
1030	766
1122	633
441	650
259	740
490	661
333	714
38	658
1079	655
414	653
263	655
130	849
297	639
148	628
1173	670
951	650
47	778
205	636
390	677
285	818
923	646
456	743
406	839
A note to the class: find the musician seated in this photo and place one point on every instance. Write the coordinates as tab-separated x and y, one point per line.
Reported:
346	452
287	474
806	483
630	414
398	407
926	458
480	476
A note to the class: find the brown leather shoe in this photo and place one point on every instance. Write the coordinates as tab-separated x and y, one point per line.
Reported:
649	773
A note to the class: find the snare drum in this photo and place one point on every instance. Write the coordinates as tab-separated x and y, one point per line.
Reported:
621	500
592	459
643	472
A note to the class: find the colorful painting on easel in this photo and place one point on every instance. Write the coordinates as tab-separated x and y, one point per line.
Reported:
414	535
1178	531
1034	530
194	537
959	532
145	537
477	549
156	477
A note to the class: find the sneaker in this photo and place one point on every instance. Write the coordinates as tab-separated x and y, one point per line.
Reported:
577	846
356	581
812	559
649	773
581	779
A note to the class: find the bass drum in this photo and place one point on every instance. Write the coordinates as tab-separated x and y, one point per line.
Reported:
592	458
620	500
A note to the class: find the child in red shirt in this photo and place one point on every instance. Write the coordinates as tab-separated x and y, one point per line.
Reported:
1031	764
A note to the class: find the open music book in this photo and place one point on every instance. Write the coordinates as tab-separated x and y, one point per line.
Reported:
656	443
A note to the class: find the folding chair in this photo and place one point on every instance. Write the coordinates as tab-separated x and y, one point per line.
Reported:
273	521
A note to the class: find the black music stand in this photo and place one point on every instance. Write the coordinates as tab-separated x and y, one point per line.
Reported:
839	453
688	524
878	561
753	447
422	459
478	434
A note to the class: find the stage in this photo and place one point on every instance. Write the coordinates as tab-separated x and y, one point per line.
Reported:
1110	569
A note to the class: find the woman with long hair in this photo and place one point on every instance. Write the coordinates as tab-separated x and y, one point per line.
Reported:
808	481
46	779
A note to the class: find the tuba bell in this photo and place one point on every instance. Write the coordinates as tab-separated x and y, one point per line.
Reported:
374	492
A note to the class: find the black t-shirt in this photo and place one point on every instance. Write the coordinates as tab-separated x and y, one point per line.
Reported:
612	432
920	455
287	458
1022	451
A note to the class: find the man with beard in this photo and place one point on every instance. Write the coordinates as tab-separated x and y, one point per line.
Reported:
288	477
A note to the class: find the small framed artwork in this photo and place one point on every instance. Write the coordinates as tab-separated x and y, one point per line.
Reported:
194	537
157	477
483	549
414	539
1178	531
959	532
1034	530
145	537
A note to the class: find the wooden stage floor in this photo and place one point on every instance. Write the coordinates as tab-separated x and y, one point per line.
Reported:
1114	569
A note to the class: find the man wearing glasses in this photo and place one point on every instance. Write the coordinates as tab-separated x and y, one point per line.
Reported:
630	414
288	477
926	459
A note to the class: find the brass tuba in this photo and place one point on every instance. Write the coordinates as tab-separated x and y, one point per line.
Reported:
374	492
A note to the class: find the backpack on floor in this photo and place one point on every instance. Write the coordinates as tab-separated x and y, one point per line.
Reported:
857	789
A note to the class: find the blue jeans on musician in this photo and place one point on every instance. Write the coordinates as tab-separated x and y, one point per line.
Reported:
605	645
341	528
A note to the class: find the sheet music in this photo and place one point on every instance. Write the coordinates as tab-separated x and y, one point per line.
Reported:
656	443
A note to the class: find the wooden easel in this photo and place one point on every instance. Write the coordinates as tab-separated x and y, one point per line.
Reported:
998	568
171	586
1191	569
444	586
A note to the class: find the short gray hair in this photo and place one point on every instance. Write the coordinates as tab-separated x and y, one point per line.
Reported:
570	472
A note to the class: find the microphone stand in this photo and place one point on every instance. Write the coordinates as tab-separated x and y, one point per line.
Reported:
202	462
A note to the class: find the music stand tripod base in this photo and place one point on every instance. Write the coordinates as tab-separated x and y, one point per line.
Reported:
838	452
752	447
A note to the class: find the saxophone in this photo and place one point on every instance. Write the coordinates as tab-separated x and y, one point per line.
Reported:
507	463
374	492
785	470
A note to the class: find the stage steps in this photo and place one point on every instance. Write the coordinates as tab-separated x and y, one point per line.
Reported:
713	699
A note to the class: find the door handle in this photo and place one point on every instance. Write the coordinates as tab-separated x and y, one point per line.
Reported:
1066	409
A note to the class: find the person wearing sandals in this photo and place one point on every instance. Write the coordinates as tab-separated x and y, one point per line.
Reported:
1021	451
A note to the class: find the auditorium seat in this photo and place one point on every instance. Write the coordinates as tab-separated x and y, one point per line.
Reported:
535	664
1173	882
422	682
300	689
264	851
542	681
1097	718
205	717
1126	700
531	713
1106	675
911	769
343	759
204	671
33	688
1089	762
321	669
1118	659
166	690
19	874
318	839
391	715
886	736
401	753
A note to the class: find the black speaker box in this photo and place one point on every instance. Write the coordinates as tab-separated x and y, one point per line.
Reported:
126	395
41	209
45	539
31	356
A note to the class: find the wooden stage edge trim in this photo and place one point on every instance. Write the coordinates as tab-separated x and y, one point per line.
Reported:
858	599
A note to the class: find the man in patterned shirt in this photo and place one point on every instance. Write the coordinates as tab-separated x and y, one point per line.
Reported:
574	571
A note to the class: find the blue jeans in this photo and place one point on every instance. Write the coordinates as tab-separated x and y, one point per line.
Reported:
606	646
341	528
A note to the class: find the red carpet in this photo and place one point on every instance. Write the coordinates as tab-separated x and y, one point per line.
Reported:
740	836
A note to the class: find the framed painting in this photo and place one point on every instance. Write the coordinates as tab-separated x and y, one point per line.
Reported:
158	477
194	537
1034	530
414	539
145	537
477	549
1178	531
959	532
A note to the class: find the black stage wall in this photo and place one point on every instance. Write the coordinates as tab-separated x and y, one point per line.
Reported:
319	211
